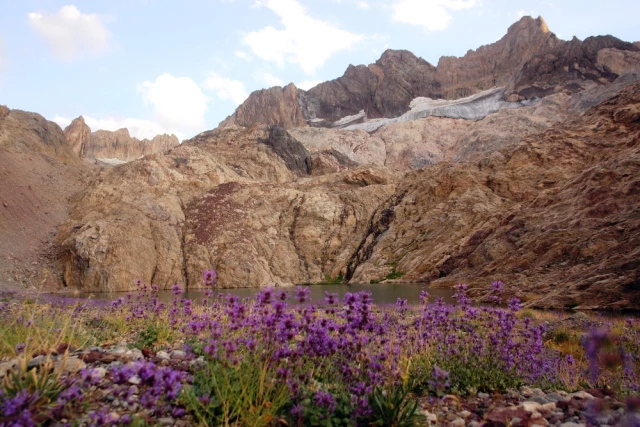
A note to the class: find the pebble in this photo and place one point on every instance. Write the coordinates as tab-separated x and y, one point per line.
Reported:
526	391
135	380
483	396
458	422
163	355
555	397
178	354
465	414
37	361
166	421
99	372
581	395
571	424
540	399
531	406
121	351
198	363
70	365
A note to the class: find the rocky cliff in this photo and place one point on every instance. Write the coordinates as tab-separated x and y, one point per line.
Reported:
542	197
39	174
118	144
529	61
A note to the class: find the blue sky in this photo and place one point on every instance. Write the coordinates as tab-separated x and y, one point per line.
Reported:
182	66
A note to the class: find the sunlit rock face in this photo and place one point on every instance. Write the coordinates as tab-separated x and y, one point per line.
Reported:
505	164
529	62
113	147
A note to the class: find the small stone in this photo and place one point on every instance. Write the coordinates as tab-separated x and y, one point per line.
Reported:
99	372
571	424
70	365
581	395
555	397
483	396
38	361
198	363
540	399
166	421
164	362
133	390
537	392
5	204
526	391
531	406
120	351
458	422
515	421
549	407
178	354
135	380
135	354
473	424
163	355
465	414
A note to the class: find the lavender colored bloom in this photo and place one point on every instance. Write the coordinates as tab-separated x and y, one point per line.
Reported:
325	400
210	277
440	379
20	348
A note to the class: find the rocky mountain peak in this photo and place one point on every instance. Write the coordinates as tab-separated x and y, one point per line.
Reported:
78	134
119	144
528	26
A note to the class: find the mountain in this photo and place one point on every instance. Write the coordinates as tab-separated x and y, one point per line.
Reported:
113	146
517	162
542	197
529	62
39	174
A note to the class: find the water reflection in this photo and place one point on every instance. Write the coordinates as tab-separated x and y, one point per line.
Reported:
382	293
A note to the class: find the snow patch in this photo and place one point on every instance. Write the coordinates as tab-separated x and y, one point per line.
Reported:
474	107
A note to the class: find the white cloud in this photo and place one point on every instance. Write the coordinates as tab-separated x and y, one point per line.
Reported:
433	15
269	79
138	128
363	5
178	102
226	88
242	55
70	32
308	84
304	41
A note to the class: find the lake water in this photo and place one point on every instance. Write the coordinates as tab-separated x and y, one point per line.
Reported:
382	293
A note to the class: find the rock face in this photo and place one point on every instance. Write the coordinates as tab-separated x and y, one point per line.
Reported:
276	106
550	209
555	217
533	182
39	173
551	212
118	144
290	150
530	61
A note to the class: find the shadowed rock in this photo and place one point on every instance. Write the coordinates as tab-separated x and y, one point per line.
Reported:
289	149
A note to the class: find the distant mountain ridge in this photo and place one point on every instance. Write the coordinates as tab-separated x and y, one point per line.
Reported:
119	144
529	61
